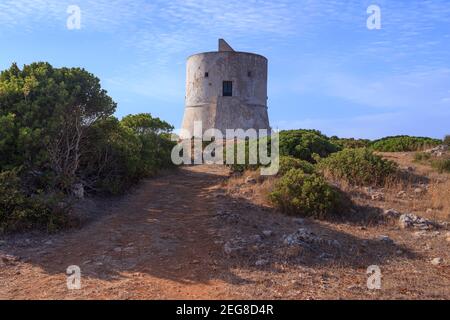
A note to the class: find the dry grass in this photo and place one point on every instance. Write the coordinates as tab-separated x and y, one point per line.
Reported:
398	192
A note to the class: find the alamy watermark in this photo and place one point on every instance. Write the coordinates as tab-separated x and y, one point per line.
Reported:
374	20
73	277
74	20
374	279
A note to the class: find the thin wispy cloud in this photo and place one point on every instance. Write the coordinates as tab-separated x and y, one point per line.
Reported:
316	48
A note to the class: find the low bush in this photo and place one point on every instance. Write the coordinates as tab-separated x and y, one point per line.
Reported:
404	144
358	167
442	165
298	193
350	142
421	156
287	163
447	140
306	144
19	211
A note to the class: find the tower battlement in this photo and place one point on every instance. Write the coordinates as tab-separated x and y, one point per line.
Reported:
226	89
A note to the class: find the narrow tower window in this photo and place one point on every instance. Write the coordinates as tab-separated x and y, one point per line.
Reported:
249	73
228	88
206	74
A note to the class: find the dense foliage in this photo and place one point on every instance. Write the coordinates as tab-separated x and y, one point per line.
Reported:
404	143
447	140
287	163
306	144
298	193
350	142
358	167
57	131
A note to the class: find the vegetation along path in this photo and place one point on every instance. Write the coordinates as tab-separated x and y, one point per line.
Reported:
184	235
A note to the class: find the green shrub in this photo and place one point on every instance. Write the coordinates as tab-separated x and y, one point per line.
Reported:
350	142
404	144
303	144
19	211
287	163
358	167
421	156
442	165
298	193
447	140
247	145
57	125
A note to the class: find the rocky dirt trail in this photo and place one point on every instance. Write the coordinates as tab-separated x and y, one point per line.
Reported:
158	244
184	236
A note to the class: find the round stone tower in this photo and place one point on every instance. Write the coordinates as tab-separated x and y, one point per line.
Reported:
226	90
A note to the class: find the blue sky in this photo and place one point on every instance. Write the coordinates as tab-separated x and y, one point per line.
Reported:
327	70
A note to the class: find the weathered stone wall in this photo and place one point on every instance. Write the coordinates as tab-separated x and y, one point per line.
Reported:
247	108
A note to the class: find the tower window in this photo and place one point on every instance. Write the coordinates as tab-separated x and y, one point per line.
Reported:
249	73
206	74
228	88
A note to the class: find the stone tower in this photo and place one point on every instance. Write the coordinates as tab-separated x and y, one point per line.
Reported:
226	89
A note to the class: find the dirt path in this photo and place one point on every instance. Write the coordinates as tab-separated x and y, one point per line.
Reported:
187	235
158	244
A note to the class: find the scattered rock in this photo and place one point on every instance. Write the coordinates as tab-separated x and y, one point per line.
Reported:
438	151
409	220
118	249
391	214
437	261
300	237
228	216
233	246
78	190
377	196
255	238
429	211
420	234
385	239
267	233
325	256
418	191
8	259
250	180
401	194
298	220
261	262
305	237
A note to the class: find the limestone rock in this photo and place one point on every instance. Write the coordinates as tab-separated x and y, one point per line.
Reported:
267	233
385	239
250	180
261	262
391	213
379	196
78	190
409	220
